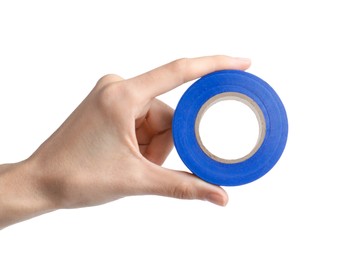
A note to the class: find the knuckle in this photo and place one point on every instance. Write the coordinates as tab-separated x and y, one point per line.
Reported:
111	96
108	79
180	65
184	191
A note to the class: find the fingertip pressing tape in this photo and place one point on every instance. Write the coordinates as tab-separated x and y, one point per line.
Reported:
246	88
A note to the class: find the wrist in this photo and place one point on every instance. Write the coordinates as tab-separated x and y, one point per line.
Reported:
22	193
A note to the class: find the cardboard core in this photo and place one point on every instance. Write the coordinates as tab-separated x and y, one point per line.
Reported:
243	99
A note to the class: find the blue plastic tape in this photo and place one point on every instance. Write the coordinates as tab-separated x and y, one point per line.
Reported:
249	89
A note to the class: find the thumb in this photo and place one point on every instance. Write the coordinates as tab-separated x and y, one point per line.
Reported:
183	185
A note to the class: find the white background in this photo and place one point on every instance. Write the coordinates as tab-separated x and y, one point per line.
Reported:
51	55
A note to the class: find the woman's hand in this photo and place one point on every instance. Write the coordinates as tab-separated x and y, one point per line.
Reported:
110	147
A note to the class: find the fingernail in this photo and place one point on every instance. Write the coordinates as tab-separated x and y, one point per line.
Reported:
244	60
216	199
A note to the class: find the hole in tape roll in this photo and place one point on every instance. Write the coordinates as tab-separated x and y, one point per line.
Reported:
230	127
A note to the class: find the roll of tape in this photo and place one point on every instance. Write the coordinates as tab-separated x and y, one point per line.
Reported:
244	87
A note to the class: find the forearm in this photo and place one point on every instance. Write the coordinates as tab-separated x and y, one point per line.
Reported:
21	193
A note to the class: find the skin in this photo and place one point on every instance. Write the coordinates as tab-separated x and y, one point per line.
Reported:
110	147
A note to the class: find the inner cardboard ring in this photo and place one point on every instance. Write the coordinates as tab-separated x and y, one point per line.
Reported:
245	100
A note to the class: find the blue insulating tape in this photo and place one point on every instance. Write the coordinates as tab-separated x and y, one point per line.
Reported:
184	133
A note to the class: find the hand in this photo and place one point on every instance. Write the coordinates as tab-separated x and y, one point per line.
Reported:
113	144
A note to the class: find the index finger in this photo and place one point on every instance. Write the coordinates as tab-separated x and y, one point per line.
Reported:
171	75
